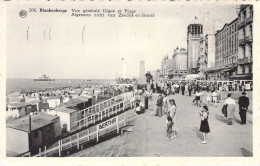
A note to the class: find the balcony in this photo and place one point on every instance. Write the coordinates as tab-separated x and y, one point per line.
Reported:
245	60
249	20
241	24
242	42
249	39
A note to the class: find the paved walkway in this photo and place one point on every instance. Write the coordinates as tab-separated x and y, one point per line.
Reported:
148	135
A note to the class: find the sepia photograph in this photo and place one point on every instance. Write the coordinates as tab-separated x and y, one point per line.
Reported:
129	80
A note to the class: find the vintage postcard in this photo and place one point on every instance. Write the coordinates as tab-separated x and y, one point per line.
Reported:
130	79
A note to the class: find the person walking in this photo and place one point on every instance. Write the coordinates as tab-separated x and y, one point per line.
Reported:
204	125
197	99
164	105
190	89
169	128
243	103
159	104
172	114
146	100
208	97
231	104
182	89
214	98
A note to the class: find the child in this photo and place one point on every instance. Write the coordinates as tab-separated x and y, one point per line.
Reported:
169	128
204	125
208	97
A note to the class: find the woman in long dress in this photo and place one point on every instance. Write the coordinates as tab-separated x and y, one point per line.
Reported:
172	114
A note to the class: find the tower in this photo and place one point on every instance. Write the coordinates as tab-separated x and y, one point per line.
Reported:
194	35
142	72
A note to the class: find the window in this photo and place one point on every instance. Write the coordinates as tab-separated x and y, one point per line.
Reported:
35	134
48	128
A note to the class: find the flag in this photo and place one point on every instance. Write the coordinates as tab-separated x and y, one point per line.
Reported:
196	17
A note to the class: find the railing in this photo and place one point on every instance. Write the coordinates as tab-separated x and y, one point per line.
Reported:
249	39
95	115
245	60
249	20
242	24
104	109
242	42
77	140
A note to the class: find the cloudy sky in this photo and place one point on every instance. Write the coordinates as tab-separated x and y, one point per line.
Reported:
107	40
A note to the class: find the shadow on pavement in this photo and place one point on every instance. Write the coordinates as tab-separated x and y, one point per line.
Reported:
249	121
198	133
236	120
246	153
221	118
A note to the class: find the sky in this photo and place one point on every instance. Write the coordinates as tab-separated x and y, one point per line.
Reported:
106	40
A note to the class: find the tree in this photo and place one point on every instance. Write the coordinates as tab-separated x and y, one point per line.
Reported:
149	77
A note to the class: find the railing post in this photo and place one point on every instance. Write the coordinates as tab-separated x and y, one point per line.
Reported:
85	117
59	149
61	145
79	124
117	124
70	142
97	133
45	151
40	152
88	134
78	140
124	119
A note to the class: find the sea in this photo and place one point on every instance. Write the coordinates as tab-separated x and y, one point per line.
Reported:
19	84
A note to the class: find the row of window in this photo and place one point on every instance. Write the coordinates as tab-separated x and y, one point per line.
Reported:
247	13
227	32
226	61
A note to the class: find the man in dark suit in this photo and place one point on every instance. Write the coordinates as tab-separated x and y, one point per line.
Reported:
182	88
243	106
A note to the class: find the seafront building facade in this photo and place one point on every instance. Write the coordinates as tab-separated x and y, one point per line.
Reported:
176	67
245	47
226	52
164	66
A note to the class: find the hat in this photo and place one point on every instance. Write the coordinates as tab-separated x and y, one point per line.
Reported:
243	93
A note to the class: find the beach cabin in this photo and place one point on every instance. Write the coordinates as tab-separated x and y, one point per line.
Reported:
53	101
16	110
69	112
31	132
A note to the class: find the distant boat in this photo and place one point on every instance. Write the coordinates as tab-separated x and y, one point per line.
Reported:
44	78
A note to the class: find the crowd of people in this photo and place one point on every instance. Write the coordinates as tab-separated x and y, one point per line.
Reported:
211	93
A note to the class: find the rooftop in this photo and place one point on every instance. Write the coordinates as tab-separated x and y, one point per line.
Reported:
38	120
65	109
19	105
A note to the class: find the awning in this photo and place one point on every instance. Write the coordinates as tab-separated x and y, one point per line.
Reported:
239	76
229	69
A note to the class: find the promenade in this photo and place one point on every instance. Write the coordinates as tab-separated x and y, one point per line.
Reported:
147	134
